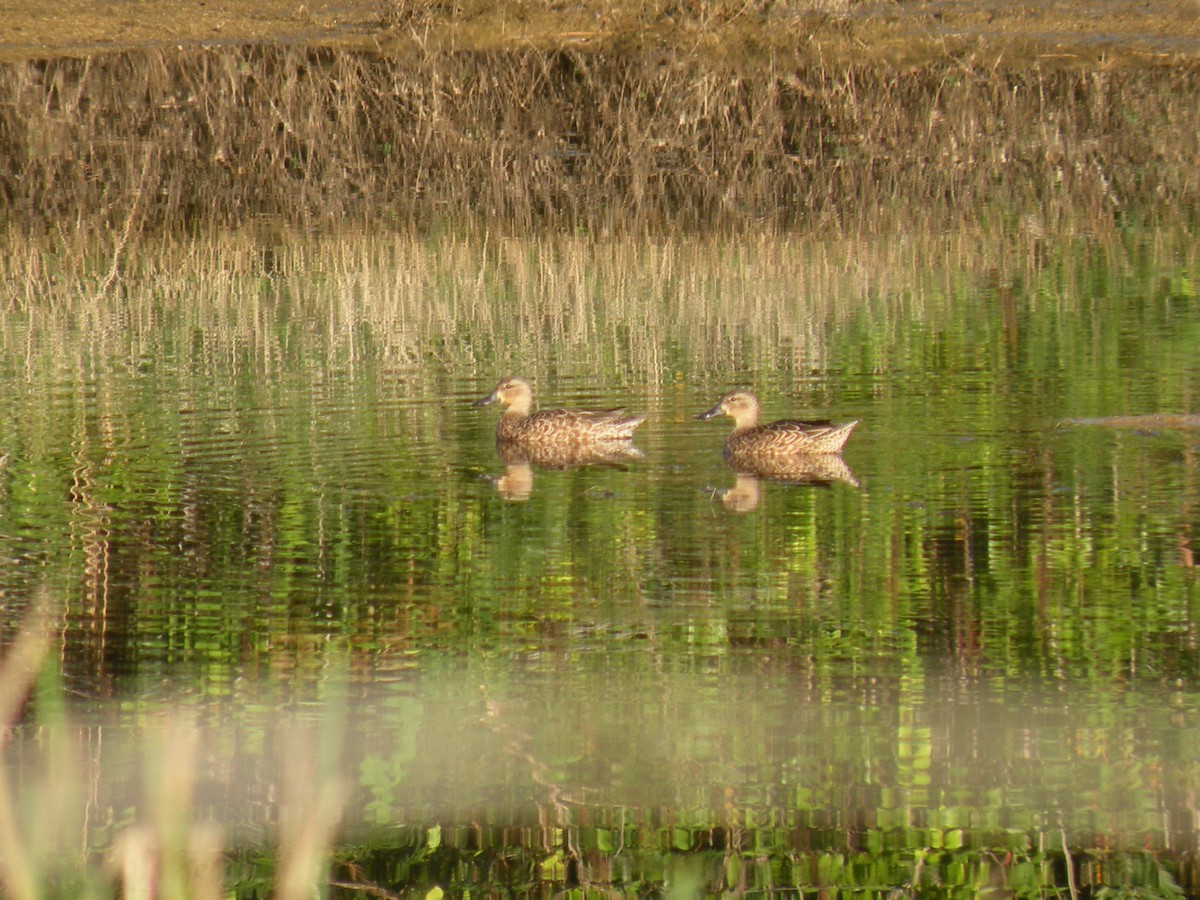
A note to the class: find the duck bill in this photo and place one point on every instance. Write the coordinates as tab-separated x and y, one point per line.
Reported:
484	401
710	413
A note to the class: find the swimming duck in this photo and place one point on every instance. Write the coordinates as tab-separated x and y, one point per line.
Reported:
549	427
755	446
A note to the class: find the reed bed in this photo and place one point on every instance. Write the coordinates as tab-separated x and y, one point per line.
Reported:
467	303
574	138
54	829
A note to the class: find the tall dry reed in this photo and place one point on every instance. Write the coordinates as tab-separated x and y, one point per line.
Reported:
196	139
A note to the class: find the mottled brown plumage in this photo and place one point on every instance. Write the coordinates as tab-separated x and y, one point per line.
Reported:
753	447
568	429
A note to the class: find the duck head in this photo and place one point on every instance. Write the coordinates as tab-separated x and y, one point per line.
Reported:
513	394
741	406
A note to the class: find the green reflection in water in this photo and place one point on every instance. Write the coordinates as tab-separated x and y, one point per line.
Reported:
240	491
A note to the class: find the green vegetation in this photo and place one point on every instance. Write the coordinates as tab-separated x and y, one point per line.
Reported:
250	479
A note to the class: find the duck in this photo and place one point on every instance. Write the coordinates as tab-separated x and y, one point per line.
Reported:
756	447
565	428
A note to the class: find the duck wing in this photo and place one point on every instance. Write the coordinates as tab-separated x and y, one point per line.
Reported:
791	436
583	424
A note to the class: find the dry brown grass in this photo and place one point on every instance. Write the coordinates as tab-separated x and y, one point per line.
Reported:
579	138
1087	33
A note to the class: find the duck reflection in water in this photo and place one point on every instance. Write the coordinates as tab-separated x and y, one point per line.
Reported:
520	459
814	470
553	438
788	450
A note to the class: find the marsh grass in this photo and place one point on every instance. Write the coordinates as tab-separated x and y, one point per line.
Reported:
121	147
467	303
59	842
22	661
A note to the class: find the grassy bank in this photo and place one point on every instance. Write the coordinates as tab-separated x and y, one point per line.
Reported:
1083	33
587	138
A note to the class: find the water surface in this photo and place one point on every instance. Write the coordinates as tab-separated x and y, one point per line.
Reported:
259	506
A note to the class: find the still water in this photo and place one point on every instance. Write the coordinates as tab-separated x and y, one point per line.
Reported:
253	498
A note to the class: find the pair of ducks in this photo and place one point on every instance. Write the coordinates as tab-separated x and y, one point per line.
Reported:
555	433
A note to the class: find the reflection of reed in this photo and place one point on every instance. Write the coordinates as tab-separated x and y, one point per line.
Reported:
334	316
343	293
